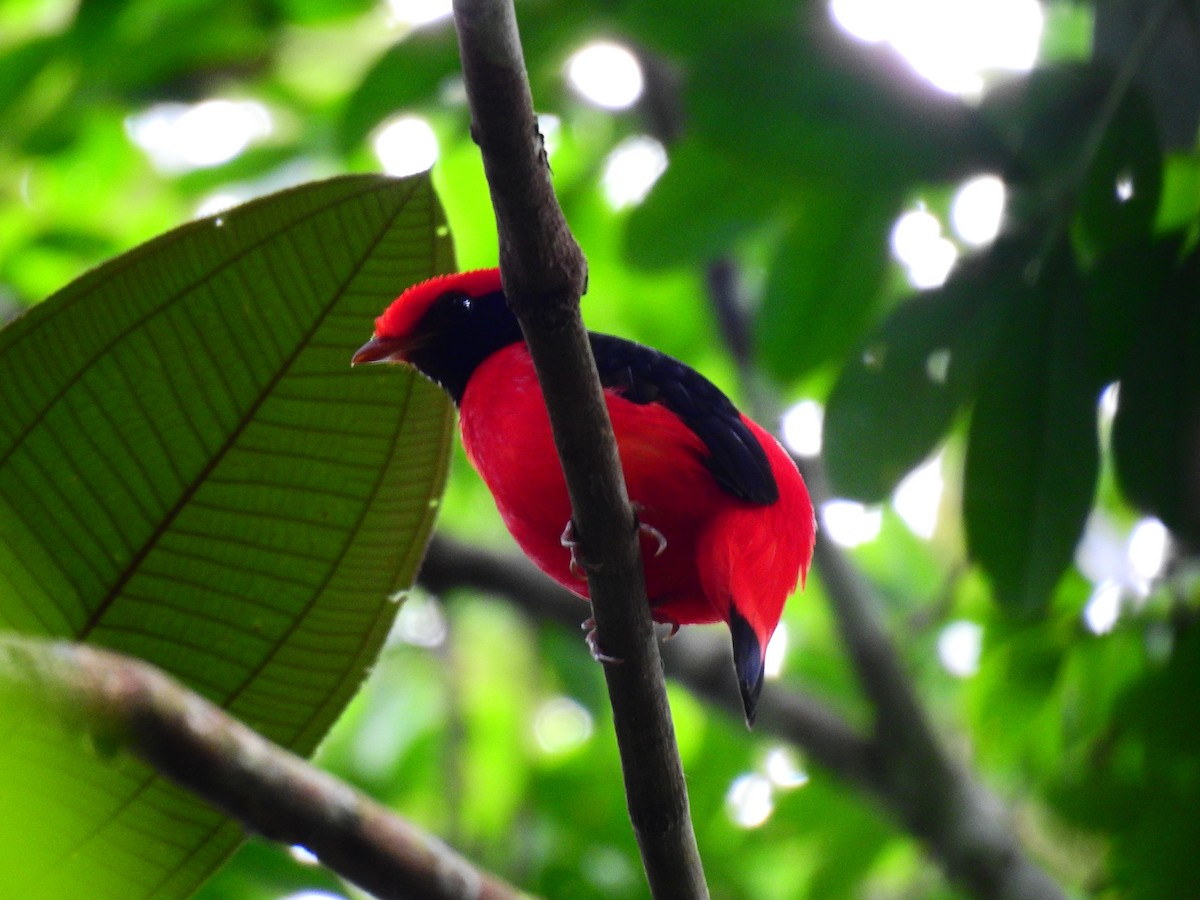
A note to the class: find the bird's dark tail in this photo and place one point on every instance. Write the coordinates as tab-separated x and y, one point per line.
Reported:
748	661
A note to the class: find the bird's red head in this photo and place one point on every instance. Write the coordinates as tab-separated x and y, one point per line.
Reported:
444	327
399	319
398	329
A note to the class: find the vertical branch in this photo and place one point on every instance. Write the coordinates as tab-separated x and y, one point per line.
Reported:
544	275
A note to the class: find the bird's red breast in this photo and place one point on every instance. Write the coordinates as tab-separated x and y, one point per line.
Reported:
728	500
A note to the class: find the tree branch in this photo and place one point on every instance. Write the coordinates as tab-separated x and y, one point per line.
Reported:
132	705
697	658
964	825
544	275
901	765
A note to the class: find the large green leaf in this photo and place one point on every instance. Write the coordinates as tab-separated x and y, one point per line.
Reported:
1032	454
898	395
827	279
1156	434
1121	192
191	473
696	212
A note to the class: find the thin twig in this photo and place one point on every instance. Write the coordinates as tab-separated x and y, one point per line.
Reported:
132	705
544	275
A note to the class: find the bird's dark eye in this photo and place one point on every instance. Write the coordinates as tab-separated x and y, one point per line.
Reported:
460	306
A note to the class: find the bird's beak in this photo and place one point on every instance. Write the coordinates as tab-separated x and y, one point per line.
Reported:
381	350
748	660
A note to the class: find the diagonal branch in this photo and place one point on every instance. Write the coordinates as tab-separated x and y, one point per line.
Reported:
901	765
964	825
132	705
698	659
544	275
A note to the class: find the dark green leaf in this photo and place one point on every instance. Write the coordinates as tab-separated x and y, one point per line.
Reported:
698	210
792	96
1156	434
1044	119
191	473
1032	454
1122	188
826	281
900	391
1139	777
1122	289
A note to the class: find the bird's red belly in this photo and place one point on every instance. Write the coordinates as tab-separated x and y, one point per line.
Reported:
506	432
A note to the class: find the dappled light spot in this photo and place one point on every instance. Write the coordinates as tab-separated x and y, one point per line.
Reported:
609	870
776	653
937	365
977	210
802	428
550	127
561	725
421	622
606	74
954	44
405	145
918	244
913	232
958	646
867	20
631	170
1132	562
415	13
180	137
932	267
918	498
303	855
874	356
218	202
1148	549
1124	187
783	767
750	800
1103	608
850	523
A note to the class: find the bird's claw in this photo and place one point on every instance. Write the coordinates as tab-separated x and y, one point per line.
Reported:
674	631
579	567
593	643
650	531
658	536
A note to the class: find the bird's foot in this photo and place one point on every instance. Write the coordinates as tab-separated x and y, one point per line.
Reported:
593	643
674	631
650	530
579	566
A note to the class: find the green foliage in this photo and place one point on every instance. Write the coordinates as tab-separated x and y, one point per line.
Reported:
1156	441
1032	454
190	474
791	152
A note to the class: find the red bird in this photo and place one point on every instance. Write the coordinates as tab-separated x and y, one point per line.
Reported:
727	525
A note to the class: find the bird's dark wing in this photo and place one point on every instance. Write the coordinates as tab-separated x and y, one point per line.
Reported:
641	374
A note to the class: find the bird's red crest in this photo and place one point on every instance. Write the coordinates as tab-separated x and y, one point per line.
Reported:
406	310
